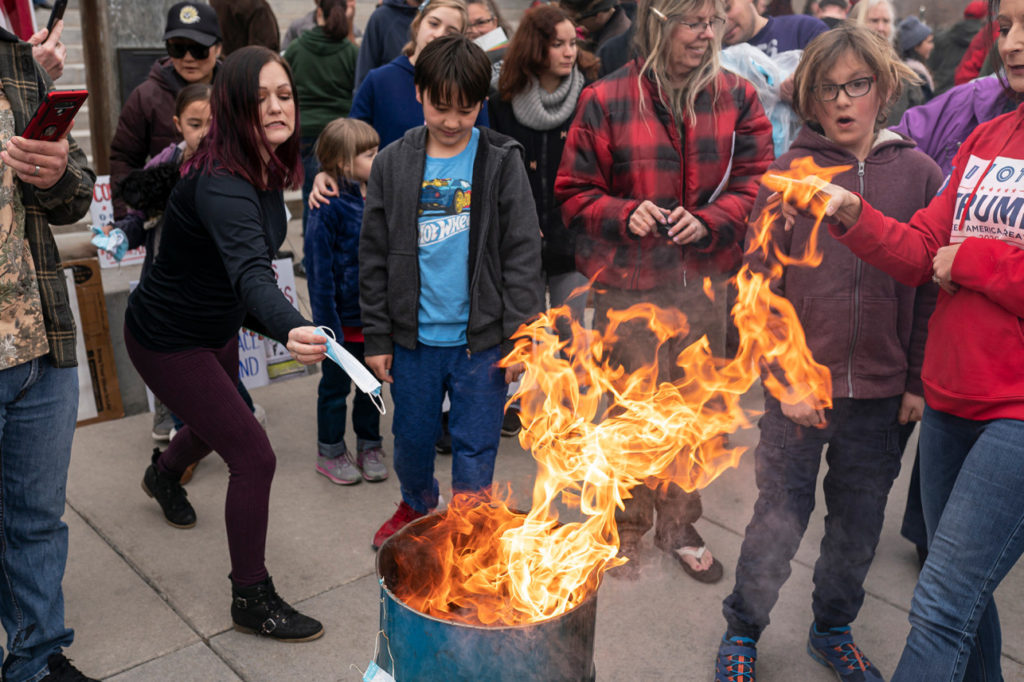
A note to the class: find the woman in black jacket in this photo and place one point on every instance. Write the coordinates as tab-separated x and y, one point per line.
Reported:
224	221
539	85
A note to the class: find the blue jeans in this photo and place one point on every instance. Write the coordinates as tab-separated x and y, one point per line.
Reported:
971	482
332	409
863	461
38	408
476	389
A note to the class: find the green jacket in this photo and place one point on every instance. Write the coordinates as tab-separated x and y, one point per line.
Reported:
24	84
324	72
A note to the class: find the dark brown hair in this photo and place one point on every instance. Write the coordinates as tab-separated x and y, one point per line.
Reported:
194	92
335	18
453	70
236	143
527	54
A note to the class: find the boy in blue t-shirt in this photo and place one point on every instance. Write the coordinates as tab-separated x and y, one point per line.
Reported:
449	268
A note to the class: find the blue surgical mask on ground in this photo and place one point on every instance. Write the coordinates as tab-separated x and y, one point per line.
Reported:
376	674
362	377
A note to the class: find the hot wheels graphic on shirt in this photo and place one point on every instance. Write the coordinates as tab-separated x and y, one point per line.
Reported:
444	209
445	195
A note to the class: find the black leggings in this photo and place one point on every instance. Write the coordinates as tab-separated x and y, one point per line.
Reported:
199	386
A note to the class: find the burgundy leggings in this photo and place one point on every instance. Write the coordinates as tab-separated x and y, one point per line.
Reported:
198	385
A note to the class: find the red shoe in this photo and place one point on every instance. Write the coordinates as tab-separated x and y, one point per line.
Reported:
402	516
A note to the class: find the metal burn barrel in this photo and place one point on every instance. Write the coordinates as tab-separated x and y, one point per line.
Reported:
421	648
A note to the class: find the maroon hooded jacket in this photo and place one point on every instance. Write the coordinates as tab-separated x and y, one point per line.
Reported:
146	125
862	324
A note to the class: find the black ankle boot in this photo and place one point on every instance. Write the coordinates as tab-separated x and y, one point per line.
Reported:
259	610
167	491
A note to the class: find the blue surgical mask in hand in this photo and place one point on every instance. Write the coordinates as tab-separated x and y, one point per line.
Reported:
115	243
362	377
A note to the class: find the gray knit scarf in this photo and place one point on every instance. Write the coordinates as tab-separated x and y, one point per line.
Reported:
539	109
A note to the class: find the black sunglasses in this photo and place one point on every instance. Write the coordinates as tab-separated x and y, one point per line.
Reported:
178	50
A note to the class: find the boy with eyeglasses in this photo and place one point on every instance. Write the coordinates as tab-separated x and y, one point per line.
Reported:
146	126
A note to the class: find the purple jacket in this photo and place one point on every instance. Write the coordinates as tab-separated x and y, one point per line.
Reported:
866	327
941	124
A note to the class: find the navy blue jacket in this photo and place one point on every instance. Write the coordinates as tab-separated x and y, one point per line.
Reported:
332	260
387	32
387	101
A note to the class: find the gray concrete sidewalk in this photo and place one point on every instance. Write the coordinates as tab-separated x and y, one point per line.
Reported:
150	602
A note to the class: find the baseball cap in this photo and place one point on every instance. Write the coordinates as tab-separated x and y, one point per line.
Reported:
194	21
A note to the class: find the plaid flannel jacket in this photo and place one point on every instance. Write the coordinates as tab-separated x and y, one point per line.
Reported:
25	84
616	156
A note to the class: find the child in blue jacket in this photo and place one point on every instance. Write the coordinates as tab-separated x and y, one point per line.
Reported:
345	149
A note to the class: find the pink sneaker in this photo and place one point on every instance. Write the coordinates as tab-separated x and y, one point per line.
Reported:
339	470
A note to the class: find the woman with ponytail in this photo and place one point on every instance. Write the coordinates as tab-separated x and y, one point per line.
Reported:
323	62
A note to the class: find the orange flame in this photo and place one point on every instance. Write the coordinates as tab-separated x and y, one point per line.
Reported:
597	432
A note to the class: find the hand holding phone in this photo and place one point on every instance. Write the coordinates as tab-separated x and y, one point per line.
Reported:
55	114
37	162
56	14
47	49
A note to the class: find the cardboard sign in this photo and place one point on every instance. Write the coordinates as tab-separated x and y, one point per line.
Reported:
99	396
101	211
252	359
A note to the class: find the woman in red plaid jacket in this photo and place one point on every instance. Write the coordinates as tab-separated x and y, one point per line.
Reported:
659	173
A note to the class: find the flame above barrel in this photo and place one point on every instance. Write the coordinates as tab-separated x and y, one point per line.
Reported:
597	432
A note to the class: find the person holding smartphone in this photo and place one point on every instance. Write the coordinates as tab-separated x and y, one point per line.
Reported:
146	126
41	183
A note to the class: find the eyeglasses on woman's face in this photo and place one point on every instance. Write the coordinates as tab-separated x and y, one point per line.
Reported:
715	23
481	23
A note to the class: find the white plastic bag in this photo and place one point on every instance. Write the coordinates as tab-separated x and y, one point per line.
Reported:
766	74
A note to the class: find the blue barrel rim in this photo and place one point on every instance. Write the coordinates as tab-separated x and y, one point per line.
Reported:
397	600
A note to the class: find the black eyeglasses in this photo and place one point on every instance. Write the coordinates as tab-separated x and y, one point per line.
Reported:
858	87
480	23
178	50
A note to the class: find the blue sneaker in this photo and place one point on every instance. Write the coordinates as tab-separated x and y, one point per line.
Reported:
836	650
735	660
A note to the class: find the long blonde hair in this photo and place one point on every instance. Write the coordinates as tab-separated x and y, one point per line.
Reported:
458	5
652	41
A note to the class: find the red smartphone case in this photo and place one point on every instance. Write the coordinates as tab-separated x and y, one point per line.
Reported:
55	114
